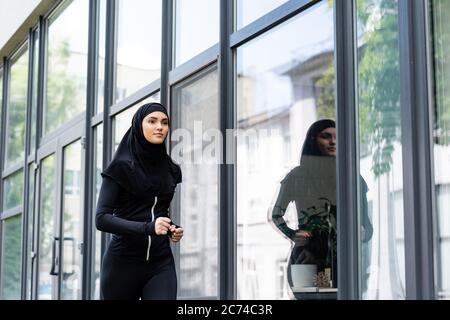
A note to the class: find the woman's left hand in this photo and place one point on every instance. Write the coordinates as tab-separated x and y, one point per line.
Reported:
177	233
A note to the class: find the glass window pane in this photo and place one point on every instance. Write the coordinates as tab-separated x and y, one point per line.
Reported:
72	231
30	213
1	100
11	258
138	46
285	82
122	122
381	175
16	112
46	227
96	246
13	191
248	11
194	35
197	114
441	138
34	98
101	58
66	65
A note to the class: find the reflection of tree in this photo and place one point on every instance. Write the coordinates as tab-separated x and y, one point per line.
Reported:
378	81
14	192
441	38
61	99
15	139
325	101
47	207
11	258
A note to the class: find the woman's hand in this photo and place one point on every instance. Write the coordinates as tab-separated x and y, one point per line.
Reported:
162	224
177	233
301	237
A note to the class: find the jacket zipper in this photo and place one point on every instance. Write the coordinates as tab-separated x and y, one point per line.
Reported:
149	236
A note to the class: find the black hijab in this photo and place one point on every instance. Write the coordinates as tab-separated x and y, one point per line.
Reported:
310	147
142	167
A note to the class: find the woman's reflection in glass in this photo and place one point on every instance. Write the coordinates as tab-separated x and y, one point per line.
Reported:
312	186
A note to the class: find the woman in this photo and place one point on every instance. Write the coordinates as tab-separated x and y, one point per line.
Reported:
312	186
137	188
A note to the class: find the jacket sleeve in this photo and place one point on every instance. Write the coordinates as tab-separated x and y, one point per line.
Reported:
281	204
106	221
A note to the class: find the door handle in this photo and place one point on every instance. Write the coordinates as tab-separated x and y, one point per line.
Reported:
55	258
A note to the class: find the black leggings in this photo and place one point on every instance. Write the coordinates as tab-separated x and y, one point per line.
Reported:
126	279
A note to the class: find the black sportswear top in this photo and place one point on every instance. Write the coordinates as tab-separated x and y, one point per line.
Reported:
131	219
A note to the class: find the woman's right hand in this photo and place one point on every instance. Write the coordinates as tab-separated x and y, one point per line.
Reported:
301	237
162	224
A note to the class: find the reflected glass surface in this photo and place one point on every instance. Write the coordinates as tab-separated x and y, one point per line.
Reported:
285	82
31	203
16	112
138	46
197	113
101	58
13	191
122	122
97	240
34	98
46	227
441	139
194	35
11	258
382	261
73	227
1	98
65	95
248	11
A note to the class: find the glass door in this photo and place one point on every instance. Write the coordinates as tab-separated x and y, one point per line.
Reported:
59	243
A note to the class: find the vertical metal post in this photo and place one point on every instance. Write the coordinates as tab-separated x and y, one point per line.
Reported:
347	155
227	219
417	148
91	101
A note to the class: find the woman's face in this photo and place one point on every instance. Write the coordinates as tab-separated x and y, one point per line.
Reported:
326	142
155	127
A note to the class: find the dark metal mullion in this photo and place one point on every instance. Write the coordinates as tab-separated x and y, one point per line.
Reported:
2	149
91	101
59	213
227	219
347	156
110	82
416	141
25	211
39	130
166	50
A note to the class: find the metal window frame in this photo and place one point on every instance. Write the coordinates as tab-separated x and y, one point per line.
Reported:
227	272
91	102
418	175
347	155
26	173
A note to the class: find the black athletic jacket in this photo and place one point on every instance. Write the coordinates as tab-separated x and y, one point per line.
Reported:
131	219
